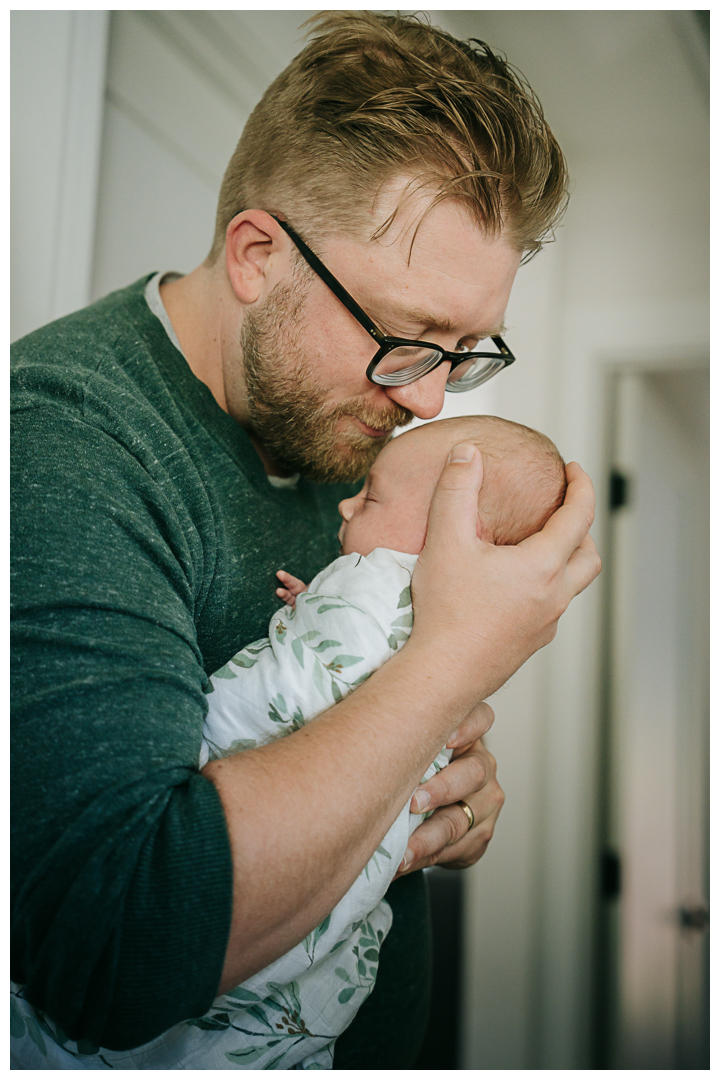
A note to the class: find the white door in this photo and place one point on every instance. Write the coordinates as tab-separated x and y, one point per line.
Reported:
658	724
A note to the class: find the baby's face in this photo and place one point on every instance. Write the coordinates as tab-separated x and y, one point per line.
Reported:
392	509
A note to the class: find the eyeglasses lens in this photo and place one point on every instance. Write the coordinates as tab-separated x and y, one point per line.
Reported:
405	364
473	372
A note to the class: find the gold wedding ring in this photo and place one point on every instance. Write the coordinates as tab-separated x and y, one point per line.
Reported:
468	813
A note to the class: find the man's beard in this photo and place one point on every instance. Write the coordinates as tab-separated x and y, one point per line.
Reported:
286	404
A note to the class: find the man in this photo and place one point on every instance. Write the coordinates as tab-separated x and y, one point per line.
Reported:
180	441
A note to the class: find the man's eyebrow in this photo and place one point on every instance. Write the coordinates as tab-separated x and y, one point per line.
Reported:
440	322
425	318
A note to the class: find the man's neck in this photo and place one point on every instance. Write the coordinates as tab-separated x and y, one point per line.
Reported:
206	318
198	311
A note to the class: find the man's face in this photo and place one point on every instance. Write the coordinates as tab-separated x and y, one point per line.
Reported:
290	409
305	356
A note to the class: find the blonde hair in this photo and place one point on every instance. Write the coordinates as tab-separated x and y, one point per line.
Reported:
375	96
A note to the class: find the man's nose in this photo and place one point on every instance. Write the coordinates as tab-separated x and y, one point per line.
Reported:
424	398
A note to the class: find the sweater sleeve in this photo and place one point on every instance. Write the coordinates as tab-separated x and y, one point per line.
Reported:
121	866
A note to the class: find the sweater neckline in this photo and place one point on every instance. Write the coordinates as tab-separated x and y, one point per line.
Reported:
196	396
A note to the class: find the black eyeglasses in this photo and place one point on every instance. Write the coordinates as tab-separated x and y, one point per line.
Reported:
400	361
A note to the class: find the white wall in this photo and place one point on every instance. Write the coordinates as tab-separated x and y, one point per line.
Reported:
627	277
180	87
58	79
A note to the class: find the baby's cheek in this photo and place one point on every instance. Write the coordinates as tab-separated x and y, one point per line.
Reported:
360	539
409	531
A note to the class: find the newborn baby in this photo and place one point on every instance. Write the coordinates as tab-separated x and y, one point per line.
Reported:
330	636
523	484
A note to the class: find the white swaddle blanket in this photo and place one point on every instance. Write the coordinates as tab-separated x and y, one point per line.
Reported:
355	615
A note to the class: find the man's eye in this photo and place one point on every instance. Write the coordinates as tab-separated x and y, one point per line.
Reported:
469	346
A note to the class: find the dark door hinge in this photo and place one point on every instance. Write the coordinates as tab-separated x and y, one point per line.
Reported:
695	917
619	493
610	882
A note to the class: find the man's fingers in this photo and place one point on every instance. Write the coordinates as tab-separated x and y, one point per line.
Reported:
447	826
466	775
454	504
569	525
566	536
583	566
446	839
476	724
519	590
580	493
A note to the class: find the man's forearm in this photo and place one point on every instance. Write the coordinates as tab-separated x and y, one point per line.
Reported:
306	813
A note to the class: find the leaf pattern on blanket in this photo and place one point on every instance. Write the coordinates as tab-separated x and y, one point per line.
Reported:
365	972
316	654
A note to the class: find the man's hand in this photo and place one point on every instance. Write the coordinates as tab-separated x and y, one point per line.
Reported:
445	838
293	587
485	609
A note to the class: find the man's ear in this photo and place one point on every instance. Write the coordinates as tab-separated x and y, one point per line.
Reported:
257	254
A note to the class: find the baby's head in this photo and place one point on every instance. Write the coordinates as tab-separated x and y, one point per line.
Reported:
523	484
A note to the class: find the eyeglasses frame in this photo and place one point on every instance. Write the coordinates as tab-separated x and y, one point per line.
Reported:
387	344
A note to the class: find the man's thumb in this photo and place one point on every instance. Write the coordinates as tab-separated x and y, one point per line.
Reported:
454	504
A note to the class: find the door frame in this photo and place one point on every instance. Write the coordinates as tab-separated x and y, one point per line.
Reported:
607	939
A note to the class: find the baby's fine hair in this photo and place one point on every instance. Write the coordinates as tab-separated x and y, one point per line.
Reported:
524	475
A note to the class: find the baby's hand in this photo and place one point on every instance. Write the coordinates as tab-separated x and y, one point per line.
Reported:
293	588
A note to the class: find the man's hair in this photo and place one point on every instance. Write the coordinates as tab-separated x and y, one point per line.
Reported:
374	96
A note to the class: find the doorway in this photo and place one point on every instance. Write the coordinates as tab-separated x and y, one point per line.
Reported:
652	986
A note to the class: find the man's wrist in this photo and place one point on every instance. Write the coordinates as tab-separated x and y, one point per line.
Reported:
434	682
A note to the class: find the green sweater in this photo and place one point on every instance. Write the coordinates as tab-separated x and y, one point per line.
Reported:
145	540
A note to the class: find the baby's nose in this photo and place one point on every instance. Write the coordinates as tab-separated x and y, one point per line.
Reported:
347	508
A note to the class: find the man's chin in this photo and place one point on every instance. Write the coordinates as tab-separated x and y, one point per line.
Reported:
351	457
328	446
